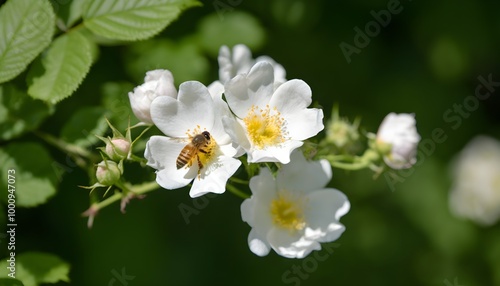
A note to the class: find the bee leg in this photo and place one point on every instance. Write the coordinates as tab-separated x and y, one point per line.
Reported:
200	166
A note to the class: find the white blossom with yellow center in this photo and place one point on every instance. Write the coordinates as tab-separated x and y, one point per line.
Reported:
475	193
294	212
270	123
194	111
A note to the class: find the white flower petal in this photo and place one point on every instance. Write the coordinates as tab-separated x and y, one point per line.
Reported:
290	244
247	210
302	175
156	83
232	64
164	81
216	89
399	130
258	244
292	96
193	108
279	71
475	193
214	177
325	208
218	132
263	186
305	123
252	89
280	153
235	130
161	153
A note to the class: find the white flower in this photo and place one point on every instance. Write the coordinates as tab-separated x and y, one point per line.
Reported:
156	83
399	133
240	61
193	112
294	212
475	193
270	123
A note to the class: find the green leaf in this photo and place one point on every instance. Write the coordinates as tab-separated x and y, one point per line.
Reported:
26	29
10	282
82	127
115	99
132	20
59	73
34	268
19	113
235	28
184	60
35	179
69	11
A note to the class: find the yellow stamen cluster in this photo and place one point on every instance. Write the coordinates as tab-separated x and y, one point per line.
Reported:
265	127
288	213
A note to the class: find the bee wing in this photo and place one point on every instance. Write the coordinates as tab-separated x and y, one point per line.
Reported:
180	140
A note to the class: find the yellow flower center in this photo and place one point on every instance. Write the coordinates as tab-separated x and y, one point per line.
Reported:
265	127
288	213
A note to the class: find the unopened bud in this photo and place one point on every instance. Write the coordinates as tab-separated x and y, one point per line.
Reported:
341	133
118	149
108	172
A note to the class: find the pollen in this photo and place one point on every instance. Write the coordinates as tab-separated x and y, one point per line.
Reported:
265	127
288	213
209	156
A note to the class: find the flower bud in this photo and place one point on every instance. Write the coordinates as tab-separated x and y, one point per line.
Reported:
118	148
397	140
108	172
341	133
156	83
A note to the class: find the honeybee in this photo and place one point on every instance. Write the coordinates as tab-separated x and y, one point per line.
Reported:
198	143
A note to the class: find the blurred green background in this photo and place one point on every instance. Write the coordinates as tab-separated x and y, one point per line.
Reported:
425	60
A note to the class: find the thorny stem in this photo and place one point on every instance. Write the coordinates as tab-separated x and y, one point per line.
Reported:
137	190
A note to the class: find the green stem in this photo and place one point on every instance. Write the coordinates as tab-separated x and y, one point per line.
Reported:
136	189
237	192
354	163
350	166
63	145
238	181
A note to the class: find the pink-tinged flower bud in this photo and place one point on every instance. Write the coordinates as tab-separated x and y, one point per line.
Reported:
108	172
118	148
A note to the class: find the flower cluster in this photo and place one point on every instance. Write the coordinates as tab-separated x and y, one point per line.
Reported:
253	115
263	118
